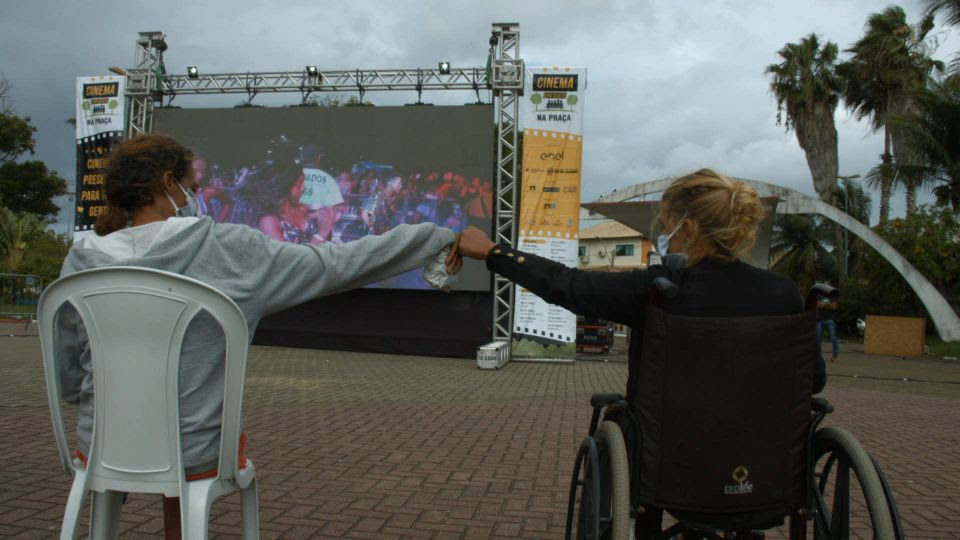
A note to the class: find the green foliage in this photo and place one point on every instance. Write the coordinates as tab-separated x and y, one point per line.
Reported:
45	255
801	250
930	240
937	347
935	130
536	98
16	137
807	90
571	100
29	187
805	80
16	230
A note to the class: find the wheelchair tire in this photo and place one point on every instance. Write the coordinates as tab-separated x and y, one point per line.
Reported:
836	448
610	436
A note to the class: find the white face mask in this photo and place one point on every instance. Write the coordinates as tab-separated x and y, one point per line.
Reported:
189	209
663	241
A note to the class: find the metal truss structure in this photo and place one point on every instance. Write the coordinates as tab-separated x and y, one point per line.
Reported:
360	80
144	80
507	83
148	83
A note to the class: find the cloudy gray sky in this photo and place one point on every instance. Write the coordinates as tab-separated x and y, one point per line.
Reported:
673	86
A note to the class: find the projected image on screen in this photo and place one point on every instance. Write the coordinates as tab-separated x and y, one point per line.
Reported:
311	175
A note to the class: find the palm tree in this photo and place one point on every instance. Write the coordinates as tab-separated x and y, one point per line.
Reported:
15	230
889	64
936	132
855	202
951	11
808	90
800	250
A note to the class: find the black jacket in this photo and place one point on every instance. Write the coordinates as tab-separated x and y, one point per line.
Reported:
712	288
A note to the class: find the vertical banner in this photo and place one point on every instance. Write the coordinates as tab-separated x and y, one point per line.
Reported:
100	125
549	225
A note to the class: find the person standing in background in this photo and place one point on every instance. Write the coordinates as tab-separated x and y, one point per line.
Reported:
827	318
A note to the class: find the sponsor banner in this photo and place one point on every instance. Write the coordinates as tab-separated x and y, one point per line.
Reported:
100	105
100	125
549	224
93	154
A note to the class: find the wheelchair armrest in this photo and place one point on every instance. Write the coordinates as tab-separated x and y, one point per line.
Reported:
820	405
603	400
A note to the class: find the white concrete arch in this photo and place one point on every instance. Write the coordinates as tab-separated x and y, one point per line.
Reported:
944	318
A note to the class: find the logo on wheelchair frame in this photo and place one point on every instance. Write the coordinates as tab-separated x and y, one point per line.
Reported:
743	487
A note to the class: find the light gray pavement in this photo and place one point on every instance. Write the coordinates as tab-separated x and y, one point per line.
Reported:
352	445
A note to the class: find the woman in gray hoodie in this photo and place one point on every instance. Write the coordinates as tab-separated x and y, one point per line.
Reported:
151	221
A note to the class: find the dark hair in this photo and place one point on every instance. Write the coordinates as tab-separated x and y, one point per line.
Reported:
270	185
134	174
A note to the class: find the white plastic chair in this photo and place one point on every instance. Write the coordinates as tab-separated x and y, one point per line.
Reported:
135	319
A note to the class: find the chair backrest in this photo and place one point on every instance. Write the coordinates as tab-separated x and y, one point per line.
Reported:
135	320
723	406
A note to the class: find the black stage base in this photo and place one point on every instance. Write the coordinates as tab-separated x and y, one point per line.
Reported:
425	323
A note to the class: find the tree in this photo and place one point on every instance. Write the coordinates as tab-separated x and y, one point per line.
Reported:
15	231
930	240
800	250
24	186
890	63
16	137
855	202
808	90
29	187
950	9
45	254
935	131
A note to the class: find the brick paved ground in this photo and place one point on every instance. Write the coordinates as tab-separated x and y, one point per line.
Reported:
376	446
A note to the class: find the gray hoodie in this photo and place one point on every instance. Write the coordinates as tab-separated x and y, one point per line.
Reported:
260	274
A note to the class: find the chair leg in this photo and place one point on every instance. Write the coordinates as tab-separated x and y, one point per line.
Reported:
105	515
195	511
71	516
251	511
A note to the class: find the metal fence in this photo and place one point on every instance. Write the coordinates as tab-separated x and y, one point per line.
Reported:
19	295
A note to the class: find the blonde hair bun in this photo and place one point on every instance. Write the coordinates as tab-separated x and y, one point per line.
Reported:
727	211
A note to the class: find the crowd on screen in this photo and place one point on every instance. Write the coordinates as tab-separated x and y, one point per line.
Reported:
375	198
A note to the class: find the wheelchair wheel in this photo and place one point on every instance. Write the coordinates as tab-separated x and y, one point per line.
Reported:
600	496
840	504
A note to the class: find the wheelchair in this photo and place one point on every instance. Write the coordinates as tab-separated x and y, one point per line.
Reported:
721	432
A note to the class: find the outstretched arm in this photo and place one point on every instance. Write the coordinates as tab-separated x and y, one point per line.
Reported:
296	273
614	296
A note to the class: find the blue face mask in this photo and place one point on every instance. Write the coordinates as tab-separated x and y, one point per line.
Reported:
189	209
663	241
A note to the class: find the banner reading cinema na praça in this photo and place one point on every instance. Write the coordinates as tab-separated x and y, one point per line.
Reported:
100	124
549	225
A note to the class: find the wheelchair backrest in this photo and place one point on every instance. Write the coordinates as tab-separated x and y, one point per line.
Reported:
723	406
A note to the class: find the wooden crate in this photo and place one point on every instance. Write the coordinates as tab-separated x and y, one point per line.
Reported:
895	336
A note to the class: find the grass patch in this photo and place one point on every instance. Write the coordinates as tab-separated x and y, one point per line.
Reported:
942	348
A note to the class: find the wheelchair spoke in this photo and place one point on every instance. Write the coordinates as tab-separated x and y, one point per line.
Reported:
840	524
825	472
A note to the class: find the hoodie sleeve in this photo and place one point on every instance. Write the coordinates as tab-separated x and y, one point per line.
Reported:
295	273
72	352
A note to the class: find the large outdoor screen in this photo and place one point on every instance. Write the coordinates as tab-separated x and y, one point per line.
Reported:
336	174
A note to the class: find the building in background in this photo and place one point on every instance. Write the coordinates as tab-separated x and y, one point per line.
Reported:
610	245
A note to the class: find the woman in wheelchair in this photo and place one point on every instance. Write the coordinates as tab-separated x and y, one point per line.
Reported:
722	367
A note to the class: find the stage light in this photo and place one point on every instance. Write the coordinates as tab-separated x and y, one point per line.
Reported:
193	72
312	71
118	70
444	68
